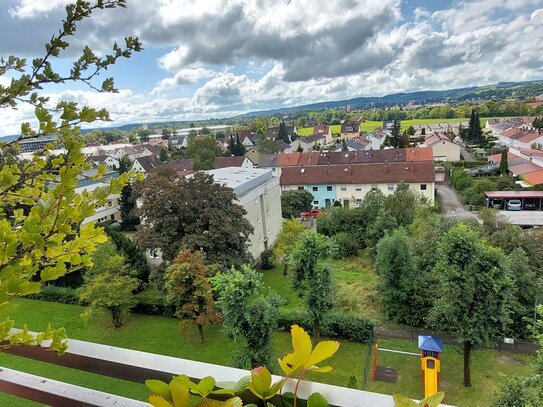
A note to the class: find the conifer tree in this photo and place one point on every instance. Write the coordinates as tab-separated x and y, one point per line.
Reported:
504	165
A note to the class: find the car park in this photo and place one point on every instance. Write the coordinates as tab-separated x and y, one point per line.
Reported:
514	205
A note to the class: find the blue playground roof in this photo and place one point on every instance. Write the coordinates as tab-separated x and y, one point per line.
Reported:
429	343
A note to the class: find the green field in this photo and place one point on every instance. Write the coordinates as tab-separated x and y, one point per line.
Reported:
166	336
370	125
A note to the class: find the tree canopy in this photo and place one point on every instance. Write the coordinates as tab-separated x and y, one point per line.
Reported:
195	213
296	201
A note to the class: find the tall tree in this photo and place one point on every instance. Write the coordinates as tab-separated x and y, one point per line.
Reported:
310	278
125	164
127	207
249	312
344	145
294	202
286	240
282	133
109	285
240	148
134	255
397	271
395	134
46	240
474	129
403	203
232	145
475	293
203	151
163	155
504	165
189	290
192	212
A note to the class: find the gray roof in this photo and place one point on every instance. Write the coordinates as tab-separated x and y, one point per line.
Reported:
268	160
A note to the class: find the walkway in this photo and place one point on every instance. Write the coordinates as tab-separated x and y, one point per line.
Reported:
450	203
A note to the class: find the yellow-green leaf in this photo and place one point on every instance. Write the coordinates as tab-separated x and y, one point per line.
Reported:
180	394
323	351
301	342
158	387
158	401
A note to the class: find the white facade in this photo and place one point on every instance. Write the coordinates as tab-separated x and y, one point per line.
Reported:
445	150
258	191
109	211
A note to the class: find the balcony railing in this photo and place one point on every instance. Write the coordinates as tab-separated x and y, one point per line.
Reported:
138	366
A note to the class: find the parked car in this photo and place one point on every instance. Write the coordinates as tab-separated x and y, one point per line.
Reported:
531	205
514	205
312	214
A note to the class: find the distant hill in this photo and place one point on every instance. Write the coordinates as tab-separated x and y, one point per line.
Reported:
502	90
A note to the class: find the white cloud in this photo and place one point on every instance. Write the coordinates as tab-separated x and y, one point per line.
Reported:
33	8
183	77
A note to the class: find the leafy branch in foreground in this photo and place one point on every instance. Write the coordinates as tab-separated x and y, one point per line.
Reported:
42	235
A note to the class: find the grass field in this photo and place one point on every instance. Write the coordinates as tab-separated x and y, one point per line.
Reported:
370	125
165	336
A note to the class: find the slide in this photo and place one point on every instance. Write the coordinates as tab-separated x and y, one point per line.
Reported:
431	368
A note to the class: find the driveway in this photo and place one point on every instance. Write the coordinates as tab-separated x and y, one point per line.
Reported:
466	155
450	203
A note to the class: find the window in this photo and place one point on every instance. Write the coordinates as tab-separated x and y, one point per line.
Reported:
315	202
315	188
343	189
358	189
329	188
390	187
374	187
110	204
423	187
300	188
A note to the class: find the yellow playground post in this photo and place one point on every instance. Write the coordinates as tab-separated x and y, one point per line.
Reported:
430	367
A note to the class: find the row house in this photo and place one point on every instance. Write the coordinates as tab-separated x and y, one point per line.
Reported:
349	184
522	137
443	148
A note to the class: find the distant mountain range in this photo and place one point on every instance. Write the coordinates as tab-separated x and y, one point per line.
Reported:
502	90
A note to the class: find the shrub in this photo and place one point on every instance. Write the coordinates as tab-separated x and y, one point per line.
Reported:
160	310
336	324
266	260
63	295
347	244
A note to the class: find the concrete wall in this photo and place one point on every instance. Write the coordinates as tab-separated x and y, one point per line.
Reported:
446	151
263	206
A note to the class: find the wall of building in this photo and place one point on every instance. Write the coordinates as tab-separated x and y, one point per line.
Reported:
446	151
109	212
263	206
353	194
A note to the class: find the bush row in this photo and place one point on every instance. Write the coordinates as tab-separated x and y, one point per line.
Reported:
337	325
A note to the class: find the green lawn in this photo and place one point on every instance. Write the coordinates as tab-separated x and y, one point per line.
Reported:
152	334
167	336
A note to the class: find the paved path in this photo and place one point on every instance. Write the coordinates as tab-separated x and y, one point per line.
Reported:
466	155
450	203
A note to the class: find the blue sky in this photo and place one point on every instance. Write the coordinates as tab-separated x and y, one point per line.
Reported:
217	58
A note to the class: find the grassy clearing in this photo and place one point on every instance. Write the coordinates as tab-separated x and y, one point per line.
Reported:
489	368
151	334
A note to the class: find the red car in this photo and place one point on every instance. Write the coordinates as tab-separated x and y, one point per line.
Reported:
312	214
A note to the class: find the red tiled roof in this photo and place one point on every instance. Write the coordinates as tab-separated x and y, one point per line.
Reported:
422	171
420	154
534	178
360	157
288	160
497	158
223	162
524	168
311	158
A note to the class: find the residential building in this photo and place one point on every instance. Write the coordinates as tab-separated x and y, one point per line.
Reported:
178	141
350	183
349	130
377	139
270	161
109	212
38	143
258	192
358	144
522	137
309	143
241	161
146	163
443	148
524	163
325	130
253	154
133	152
108	160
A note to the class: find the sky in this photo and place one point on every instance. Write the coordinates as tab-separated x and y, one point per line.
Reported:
218	58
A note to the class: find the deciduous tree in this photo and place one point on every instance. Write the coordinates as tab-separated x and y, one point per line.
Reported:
294	202
189	290
195	213
109	285
475	293
248	313
286	241
40	213
203	151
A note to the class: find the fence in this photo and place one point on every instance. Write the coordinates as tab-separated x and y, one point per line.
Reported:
524	346
138	366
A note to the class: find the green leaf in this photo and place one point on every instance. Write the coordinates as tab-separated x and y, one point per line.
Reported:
288	399
402	401
433	400
158	401
159	387
317	400
180	394
205	386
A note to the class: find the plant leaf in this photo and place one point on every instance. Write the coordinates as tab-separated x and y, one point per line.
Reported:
402	401
317	400
260	382
301	342
180	394
158	401
322	351
433	400
159	387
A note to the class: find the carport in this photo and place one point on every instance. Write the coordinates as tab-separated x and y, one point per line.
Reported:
531	200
